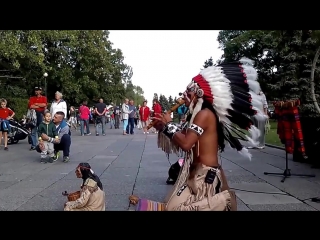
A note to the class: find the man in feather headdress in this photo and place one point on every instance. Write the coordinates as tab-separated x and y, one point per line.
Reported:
220	105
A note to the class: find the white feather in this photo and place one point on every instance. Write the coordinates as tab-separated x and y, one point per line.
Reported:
220	88
196	109
255	134
244	152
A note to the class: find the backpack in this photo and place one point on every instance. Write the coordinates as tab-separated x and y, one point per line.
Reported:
174	171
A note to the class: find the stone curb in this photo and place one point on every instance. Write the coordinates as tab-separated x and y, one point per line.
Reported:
274	146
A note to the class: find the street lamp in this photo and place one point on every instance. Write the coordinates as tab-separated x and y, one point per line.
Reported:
45	75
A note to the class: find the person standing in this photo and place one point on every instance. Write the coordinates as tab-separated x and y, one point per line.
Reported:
131	118
5	115
58	105
73	117
156	109
84	112
111	112
100	111
125	115
116	117
144	117
39	104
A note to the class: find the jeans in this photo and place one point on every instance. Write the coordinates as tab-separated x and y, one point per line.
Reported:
116	121
64	145
130	126
125	124
34	131
112	123
34	137
82	124
102	120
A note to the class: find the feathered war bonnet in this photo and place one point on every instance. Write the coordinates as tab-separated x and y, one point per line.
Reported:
231	89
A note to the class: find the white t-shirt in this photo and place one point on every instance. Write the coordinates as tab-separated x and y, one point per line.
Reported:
58	107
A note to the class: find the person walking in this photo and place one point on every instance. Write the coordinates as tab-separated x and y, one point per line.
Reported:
84	112
132	114
144	113
125	115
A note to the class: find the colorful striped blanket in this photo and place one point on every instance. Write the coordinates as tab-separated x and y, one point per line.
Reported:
148	205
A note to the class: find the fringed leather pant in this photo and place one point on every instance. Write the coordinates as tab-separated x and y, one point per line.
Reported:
197	195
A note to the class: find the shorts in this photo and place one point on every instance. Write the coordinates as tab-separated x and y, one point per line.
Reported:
4	126
144	123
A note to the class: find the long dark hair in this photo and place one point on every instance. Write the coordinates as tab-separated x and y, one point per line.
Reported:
85	169
221	137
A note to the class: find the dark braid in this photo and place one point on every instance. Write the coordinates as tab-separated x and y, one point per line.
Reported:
221	138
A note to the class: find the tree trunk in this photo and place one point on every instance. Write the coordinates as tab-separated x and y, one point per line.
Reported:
313	95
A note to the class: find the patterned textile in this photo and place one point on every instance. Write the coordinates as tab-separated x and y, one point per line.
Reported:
148	205
289	128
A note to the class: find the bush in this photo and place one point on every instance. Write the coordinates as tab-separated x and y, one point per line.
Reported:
19	106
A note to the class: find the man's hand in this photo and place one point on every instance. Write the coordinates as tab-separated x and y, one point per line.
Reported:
8	118
33	106
164	117
44	137
56	140
158	125
41	145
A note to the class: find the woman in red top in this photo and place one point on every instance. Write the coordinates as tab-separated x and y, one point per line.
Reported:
5	115
84	113
144	113
156	109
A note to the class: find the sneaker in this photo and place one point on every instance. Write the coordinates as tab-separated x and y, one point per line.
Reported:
6	148
32	148
66	159
262	147
43	160
88	134
56	156
97	134
103	134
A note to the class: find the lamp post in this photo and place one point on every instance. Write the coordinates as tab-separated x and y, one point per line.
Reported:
45	75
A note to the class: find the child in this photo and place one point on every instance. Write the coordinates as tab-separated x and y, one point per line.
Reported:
47	127
5	115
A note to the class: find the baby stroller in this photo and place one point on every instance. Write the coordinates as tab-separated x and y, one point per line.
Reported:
17	132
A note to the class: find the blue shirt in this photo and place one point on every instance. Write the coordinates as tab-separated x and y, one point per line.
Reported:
133	109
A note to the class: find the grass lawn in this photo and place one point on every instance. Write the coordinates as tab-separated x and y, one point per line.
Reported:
272	137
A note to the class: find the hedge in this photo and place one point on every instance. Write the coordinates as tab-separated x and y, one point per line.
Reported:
19	106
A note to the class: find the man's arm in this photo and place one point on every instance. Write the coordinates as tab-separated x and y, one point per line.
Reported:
104	110
63	131
43	102
187	140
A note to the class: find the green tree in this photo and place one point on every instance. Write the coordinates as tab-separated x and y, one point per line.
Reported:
164	102
155	97
208	63
283	59
80	63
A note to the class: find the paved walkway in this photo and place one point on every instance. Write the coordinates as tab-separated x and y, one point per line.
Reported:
133	165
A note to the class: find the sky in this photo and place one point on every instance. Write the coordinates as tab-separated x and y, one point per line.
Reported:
164	62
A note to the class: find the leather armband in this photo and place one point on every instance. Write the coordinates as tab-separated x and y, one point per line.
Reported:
170	129
196	128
